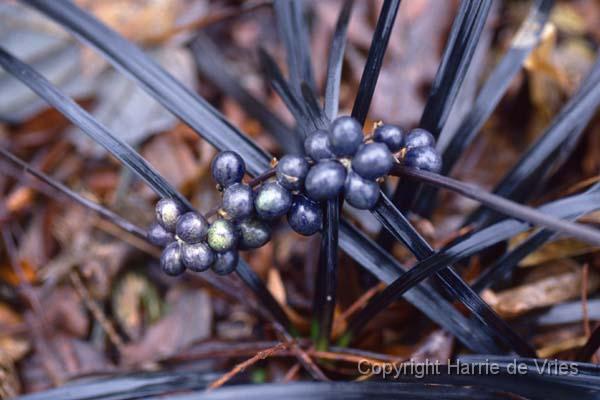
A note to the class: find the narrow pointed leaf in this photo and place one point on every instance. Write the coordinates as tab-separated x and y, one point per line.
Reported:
326	277
504	206
464	37
502	268
312	106
181	101
215	68
458	53
335	61
385	267
294	31
90	126
76	197
548	153
470	245
286	93
525	40
403	231
370	74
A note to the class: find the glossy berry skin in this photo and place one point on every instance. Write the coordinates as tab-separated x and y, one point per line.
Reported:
325	180
225	263
191	227
197	257
390	135
372	160
419	138
170	260
272	200
167	213
253	233
345	136
426	158
227	168
360	193
317	146
291	171
305	216
222	236
238	201
158	236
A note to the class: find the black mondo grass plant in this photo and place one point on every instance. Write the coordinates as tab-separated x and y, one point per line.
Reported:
332	169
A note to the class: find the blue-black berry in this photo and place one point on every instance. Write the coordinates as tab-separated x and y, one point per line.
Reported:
317	146
222	236
191	227
360	193
419	137
272	200
291	172
345	136
197	257
372	160
167	213
158	236
238	201
426	158
225	263
170	260
325	180
227	168
391	135
254	233
305	216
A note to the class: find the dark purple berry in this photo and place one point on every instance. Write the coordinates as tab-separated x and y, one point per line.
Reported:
272	200
345	136
325	180
170	260
222	236
238	201
360	193
197	257
317	147
390	135
225	263
158	236
254	233
227	168
372	160
167	213
305	216
419	138
426	158
191	227
291	172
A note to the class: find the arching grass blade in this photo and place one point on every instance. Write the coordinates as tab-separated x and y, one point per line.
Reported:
403	231
468	246
326	276
489	96
215	68
90	126
379	43
548	153
335	61
385	267
525	40
181	101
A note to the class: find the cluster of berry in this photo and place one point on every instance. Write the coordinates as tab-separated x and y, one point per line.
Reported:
340	161
191	242
344	162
